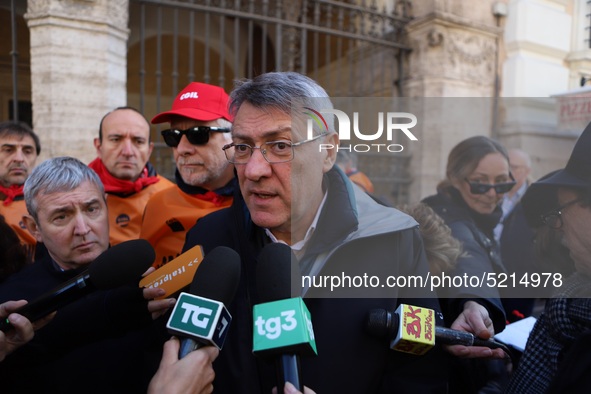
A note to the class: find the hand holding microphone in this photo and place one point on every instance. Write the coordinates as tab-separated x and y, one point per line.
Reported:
170	279
474	318
23	329
117	266
412	329
290	389
192	374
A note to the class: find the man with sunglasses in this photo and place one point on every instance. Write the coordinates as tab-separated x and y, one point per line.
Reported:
556	358
199	128
124	148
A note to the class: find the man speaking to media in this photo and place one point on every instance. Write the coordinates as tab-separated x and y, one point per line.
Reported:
291	192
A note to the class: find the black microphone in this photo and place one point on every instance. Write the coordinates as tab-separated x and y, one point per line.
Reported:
200	317
282	324
384	324
115	267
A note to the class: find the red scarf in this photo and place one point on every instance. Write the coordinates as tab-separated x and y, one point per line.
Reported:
11	192
120	186
215	198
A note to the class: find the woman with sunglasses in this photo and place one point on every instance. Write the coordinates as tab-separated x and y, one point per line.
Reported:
468	200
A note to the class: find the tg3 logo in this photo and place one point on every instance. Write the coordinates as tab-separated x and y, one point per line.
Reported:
273	326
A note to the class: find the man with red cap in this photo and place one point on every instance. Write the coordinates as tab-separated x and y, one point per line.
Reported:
199	127
123	148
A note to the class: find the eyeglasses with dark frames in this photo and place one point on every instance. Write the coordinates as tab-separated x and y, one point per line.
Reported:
197	135
272	151
553	219
483	188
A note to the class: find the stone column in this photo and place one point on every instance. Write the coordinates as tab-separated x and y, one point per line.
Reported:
454	50
78	70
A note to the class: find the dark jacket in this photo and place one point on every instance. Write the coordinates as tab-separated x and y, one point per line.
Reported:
482	255
556	357
89	346
519	257
354	235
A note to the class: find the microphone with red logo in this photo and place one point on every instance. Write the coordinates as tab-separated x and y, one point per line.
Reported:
115	267
200	317
411	329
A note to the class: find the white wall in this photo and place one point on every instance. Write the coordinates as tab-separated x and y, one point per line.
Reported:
537	41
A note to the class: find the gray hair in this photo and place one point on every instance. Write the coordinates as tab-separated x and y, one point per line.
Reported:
59	174
283	91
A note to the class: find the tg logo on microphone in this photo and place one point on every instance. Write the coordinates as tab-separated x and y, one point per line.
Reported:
199	313
199	317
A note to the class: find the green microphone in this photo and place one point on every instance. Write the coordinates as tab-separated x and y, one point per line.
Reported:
282	325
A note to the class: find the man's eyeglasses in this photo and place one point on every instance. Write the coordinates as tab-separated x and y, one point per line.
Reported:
553	219
198	135
483	188
272	151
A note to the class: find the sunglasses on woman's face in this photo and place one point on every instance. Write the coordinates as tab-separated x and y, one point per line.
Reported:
198	135
483	188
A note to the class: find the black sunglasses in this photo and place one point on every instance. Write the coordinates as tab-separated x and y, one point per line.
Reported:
198	135
483	188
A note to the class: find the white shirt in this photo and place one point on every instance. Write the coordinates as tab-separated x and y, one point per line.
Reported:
508	203
299	247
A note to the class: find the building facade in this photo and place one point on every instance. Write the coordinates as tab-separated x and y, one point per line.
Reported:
509	69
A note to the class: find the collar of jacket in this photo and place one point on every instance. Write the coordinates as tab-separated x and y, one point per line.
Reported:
350	213
450	205
338	217
226	190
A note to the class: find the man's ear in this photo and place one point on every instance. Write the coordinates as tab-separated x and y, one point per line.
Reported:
150	149
97	146
329	145
33	227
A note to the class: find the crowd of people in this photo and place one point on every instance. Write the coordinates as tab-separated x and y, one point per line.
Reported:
249	173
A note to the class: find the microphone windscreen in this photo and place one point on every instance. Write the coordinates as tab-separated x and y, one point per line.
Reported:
379	323
276	268
217	276
121	264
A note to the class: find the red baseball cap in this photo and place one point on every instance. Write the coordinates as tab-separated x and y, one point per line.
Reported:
198	101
